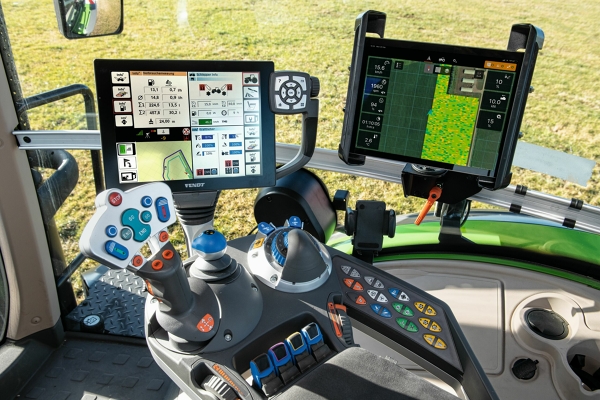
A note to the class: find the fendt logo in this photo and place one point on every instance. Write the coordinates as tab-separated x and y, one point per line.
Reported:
194	185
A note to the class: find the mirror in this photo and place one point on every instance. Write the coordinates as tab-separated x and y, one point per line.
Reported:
87	18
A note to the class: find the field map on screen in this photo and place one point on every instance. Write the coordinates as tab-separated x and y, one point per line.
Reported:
435	111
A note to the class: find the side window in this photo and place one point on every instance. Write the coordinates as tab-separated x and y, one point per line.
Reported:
3	300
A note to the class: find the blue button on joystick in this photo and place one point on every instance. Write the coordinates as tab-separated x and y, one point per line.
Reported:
265	228
295	222
146	201
211	245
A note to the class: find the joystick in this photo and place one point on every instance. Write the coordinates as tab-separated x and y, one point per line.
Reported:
212	263
124	222
288	258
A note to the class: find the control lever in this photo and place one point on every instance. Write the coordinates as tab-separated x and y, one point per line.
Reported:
434	195
126	221
292	92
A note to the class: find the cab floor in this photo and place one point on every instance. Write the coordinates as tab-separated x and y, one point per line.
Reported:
92	368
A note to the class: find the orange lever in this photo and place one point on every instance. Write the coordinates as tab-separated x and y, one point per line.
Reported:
434	195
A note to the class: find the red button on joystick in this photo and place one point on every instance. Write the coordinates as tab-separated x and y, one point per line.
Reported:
115	199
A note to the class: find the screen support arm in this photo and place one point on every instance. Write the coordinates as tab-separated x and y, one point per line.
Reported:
310	119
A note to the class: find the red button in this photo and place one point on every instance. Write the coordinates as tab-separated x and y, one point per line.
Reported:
115	199
163	236
358	287
157	265
361	301
137	261
167	254
348	282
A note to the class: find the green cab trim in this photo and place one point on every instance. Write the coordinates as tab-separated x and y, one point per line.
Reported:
544	239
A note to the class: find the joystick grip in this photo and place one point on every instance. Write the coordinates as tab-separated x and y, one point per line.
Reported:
167	281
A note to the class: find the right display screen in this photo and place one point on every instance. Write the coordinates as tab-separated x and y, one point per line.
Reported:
436	105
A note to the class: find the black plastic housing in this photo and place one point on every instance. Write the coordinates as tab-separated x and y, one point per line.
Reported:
300	194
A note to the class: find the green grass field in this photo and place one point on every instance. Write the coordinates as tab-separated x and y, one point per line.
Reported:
317	37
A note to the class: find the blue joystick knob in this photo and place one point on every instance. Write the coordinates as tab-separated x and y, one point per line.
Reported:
210	245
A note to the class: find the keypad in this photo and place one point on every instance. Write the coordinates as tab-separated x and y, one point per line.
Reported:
397	306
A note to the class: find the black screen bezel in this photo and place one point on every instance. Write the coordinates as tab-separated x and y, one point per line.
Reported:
103	69
467	56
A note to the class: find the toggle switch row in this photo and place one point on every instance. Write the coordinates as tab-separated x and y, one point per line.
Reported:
287	360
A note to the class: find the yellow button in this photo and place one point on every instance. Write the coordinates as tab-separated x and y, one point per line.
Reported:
425	322
429	338
439	344
420	306
430	311
258	243
435	327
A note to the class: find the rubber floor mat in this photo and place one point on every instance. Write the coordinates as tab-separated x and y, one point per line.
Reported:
98	370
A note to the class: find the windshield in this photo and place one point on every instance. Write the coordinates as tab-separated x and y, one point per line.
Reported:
317	38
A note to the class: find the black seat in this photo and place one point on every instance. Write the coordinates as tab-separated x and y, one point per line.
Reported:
356	373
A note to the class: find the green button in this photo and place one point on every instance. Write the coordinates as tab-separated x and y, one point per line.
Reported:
412	327
146	216
402	322
408	311
398	307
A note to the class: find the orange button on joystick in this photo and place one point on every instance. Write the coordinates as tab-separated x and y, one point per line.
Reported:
137	261
157	265
167	254
163	236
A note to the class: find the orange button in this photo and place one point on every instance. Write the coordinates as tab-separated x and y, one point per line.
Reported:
157	265
206	324
167	254
163	236
137	261
358	287
361	301
348	282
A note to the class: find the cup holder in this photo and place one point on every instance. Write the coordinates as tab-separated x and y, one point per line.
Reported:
584	360
552	325
546	316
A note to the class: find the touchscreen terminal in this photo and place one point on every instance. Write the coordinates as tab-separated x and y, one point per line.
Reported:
195	125
436	105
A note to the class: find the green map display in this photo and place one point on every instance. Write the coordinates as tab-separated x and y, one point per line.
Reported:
164	161
440	112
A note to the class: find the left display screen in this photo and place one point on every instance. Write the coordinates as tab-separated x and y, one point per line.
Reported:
196	125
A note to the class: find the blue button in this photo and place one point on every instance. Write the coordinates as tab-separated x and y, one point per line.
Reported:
146	201
116	250
394	292
126	233
265	228
376	308
111	231
385	313
146	216
162	209
295	222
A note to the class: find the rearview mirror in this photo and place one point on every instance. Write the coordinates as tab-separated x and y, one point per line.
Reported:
86	18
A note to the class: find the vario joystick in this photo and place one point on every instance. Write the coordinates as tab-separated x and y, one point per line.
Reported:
212	263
